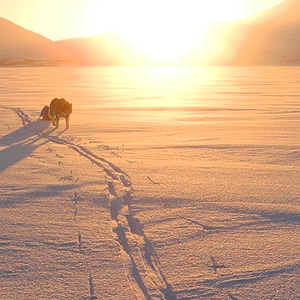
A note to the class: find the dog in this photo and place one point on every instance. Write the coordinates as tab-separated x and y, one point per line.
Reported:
44	113
59	108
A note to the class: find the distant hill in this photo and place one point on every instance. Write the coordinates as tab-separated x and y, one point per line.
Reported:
21	46
273	38
269	38
101	49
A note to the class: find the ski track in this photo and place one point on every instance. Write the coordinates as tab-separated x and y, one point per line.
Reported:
140	262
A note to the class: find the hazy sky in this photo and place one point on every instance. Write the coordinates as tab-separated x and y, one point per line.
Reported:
60	19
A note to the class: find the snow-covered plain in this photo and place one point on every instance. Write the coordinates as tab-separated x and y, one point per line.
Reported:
169	184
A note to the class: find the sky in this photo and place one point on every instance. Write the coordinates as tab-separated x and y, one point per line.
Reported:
61	19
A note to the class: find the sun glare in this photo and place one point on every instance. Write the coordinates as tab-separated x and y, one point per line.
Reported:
162	30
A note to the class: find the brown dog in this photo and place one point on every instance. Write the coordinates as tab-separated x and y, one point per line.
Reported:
44	113
59	108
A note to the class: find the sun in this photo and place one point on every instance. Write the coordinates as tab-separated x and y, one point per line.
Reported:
163	30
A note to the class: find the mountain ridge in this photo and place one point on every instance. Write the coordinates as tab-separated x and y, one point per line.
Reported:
18	44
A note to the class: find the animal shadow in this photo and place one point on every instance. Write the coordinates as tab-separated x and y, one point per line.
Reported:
22	142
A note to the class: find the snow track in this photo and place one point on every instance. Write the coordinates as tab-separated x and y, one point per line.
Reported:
140	263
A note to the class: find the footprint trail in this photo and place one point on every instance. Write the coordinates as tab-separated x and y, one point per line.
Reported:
140	263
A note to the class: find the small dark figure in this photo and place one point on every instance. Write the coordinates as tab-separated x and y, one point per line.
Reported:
44	113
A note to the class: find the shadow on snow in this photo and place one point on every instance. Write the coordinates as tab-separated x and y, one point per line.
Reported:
22	142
